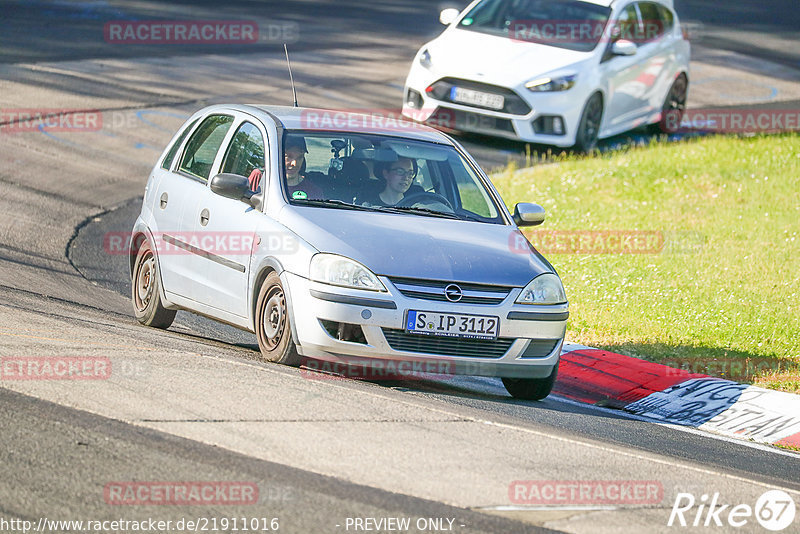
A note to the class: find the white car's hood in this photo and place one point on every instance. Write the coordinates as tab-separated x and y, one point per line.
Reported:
496	60
413	246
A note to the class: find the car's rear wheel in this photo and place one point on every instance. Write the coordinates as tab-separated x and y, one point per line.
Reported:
273	326
589	125
674	106
531	388
145	290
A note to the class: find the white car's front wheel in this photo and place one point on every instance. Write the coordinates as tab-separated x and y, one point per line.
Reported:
273	326
589	125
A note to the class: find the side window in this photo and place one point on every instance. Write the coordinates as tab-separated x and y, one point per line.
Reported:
652	25
246	151
628	25
203	146
167	163
667	18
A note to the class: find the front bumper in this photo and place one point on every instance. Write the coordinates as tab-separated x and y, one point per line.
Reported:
449	115
528	345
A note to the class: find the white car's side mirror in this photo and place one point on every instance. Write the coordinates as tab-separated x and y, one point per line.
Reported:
447	16
623	47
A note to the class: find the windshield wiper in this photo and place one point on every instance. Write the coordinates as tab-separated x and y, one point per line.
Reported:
340	204
425	211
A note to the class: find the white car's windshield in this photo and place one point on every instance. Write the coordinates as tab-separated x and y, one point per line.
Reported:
562	23
384	174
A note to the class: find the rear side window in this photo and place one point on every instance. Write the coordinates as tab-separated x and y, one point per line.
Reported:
167	163
652	22
202	148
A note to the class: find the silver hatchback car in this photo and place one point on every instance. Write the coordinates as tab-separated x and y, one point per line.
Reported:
341	238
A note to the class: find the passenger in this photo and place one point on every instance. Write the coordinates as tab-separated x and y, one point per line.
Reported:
397	178
298	186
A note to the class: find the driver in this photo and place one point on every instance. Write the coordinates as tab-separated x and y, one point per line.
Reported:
397	177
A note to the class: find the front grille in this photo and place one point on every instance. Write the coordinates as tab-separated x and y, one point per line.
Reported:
540	348
512	102
447	346
456	119
434	290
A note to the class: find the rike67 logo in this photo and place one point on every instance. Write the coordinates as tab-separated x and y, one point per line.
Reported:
774	510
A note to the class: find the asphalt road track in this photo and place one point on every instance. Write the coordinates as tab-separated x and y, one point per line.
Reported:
338	448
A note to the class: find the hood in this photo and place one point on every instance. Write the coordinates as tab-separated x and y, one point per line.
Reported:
414	246
494	59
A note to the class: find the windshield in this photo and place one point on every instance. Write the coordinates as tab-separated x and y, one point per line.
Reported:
383	174
561	23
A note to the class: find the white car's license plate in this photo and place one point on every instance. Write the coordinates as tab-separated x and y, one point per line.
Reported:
476	98
452	324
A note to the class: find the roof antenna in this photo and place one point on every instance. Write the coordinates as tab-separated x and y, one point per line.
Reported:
291	78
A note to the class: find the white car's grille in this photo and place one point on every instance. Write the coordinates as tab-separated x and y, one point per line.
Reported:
435	290
447	346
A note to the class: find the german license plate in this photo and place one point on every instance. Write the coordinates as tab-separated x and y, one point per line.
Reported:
476	98
452	324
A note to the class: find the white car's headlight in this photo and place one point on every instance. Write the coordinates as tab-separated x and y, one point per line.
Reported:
341	271
544	289
425	59
559	83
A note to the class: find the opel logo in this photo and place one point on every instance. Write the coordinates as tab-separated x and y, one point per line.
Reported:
453	293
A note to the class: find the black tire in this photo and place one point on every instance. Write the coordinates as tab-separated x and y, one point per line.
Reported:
674	106
145	290
589	126
531	388
273	326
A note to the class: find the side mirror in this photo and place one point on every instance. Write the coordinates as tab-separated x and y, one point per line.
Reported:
623	47
447	16
232	186
526	214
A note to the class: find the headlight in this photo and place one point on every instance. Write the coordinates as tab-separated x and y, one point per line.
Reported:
341	271
544	289
425	59
559	83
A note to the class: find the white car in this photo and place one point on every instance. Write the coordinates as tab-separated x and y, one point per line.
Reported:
556	72
358	245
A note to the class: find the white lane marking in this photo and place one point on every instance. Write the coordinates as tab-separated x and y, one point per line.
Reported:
576	508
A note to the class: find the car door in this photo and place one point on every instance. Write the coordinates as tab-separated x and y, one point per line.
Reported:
179	191
625	93
225	228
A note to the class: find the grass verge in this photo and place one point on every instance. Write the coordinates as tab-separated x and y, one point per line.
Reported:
682	253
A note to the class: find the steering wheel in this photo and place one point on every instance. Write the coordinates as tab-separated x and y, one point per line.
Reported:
415	198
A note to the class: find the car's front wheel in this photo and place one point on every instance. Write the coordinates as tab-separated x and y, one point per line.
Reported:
145	293
589	125
531	388
273	326
674	106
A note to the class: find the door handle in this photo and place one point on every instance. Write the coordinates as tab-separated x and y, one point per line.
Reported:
204	217
164	199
